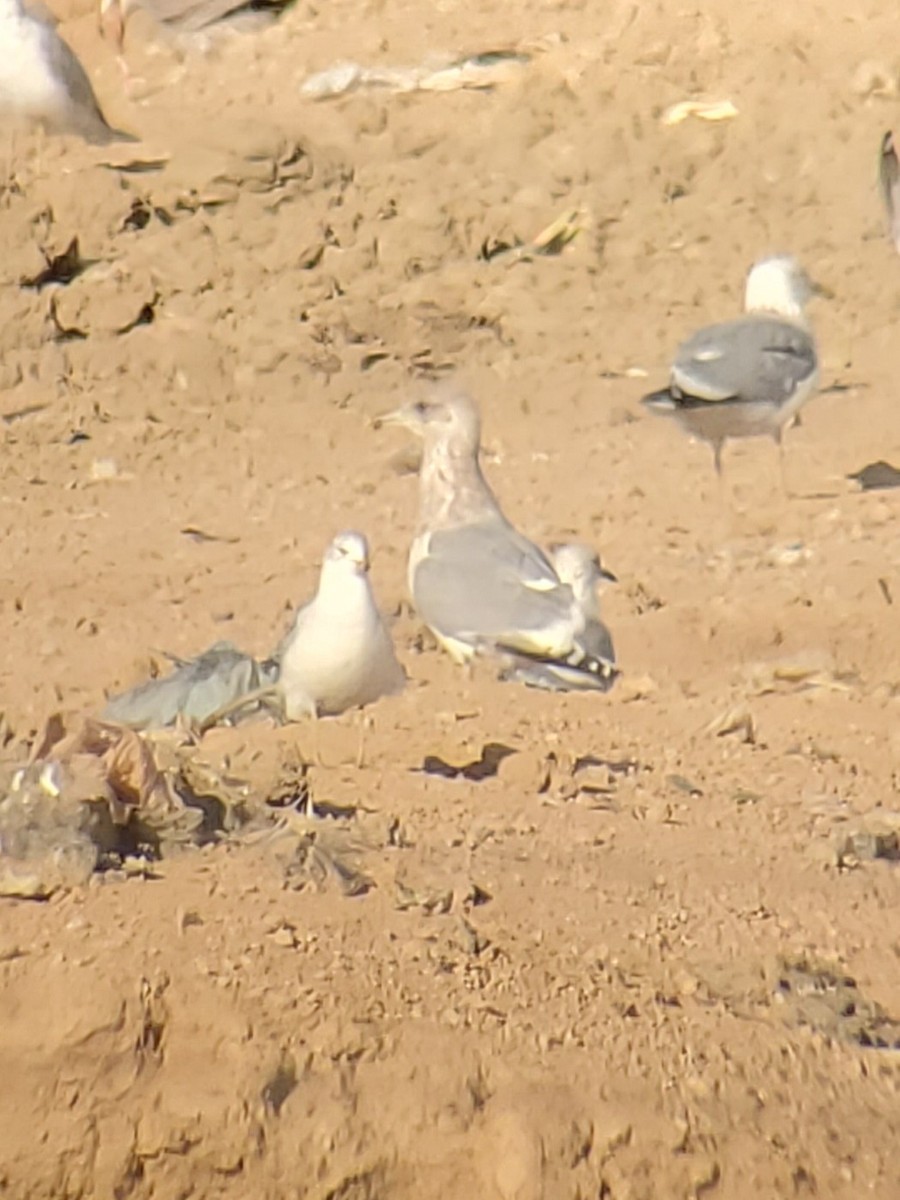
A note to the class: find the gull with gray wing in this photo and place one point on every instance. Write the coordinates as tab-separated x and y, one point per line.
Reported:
578	566
477	583
338	654
748	377
185	18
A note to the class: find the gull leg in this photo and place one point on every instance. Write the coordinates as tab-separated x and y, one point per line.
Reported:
728	501
317	746
308	805
782	467
725	499
366	721
7	182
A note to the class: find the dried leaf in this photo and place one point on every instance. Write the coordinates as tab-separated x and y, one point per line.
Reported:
736	719
61	268
705	110
53	732
132	774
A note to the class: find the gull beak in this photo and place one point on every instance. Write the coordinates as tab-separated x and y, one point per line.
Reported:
606	576
112	23
820	289
404	418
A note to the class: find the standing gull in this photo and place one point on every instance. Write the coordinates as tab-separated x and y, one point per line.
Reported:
748	377
477	583
337	654
42	81
188	16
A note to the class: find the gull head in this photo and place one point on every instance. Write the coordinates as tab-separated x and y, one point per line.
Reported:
778	285
579	566
349	553
449	418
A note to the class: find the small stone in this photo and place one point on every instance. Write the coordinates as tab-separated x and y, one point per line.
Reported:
789	554
874	78
636	687
103	469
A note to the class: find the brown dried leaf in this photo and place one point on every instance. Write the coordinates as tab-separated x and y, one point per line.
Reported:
736	719
132	774
53	731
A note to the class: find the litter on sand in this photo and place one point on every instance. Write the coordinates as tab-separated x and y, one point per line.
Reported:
94	797
197	689
84	793
550	241
478	71
704	110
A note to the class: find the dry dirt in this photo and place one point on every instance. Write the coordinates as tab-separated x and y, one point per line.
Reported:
628	961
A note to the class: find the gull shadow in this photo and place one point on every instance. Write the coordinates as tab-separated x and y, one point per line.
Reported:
485	767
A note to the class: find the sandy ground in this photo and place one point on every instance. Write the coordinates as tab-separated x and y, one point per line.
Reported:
625	959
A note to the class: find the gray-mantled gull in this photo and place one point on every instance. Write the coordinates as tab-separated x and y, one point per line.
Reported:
747	377
42	81
188	16
578	566
338	654
477	583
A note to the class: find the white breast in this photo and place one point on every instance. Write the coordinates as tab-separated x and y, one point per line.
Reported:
27	85
339	657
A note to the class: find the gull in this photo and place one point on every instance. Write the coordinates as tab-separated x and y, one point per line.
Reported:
751	376
477	583
186	16
41	80
338	653
580	567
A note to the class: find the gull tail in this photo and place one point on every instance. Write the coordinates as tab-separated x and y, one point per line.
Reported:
580	672
95	130
663	401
